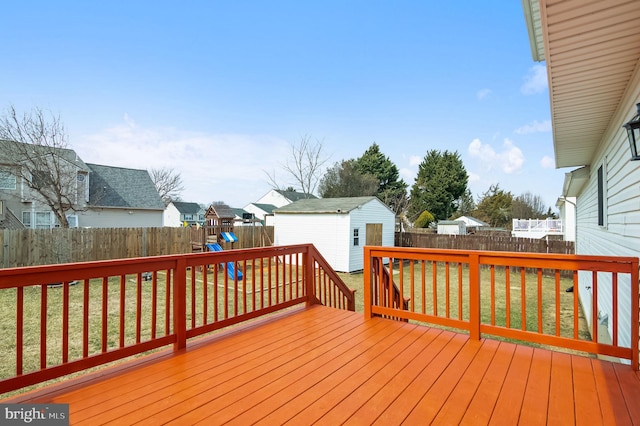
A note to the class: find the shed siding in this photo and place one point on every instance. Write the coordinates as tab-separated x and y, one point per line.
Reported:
329	233
372	212
332	233
620	236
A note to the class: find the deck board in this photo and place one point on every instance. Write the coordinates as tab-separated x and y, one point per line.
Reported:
327	366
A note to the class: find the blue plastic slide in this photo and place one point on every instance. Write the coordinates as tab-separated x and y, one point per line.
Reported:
229	267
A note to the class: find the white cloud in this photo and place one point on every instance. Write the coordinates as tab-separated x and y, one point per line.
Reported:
481	94
547	162
223	167
415	160
473	177
535	81
509	160
534	127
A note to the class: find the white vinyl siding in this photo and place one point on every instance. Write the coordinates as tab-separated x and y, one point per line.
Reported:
333	233
620	233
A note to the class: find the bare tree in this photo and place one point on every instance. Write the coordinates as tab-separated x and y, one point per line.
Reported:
35	150
168	182
304	165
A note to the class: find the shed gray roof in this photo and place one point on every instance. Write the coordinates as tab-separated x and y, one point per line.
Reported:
341	205
124	188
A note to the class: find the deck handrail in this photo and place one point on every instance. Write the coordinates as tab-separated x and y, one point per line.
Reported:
109	310
445	288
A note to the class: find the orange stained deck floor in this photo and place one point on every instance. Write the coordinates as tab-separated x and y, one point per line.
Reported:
328	366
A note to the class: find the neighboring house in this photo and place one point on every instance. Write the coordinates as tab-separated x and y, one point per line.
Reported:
452	227
121	198
8	220
180	213
241	217
26	203
567	207
279	198
338	227
592	54
262	212
263	208
472	222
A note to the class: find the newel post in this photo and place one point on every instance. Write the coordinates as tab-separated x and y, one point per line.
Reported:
180	304
368	264
474	296
308	261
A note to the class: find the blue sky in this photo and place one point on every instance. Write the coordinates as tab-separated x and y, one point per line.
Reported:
219	90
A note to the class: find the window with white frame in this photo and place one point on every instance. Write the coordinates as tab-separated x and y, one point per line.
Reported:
356	236
43	220
37	220
26	219
8	180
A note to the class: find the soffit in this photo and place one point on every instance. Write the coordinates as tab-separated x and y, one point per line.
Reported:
592	50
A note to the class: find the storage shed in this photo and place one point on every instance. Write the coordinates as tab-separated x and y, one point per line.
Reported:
338	227
452	227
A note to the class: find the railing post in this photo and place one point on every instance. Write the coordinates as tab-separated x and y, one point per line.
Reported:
474	296
180	304
367	282
635	316
308	261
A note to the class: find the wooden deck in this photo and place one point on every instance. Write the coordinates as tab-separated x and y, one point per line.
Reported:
329	366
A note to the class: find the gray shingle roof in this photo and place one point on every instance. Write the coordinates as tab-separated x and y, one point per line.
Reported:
295	195
186	208
120	187
268	208
325	205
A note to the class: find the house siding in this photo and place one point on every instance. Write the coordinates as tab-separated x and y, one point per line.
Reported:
171	217
107	218
620	234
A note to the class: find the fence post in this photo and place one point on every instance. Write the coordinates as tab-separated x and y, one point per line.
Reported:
635	316
474	296
180	304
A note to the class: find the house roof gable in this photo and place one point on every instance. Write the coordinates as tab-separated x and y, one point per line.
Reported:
119	187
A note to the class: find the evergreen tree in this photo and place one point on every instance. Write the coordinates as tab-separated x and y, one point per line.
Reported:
495	207
439	185
344	180
391	189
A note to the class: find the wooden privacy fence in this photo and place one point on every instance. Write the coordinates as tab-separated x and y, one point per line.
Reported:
28	247
483	242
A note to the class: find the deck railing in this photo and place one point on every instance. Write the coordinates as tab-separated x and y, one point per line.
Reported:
61	319
520	296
